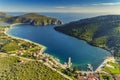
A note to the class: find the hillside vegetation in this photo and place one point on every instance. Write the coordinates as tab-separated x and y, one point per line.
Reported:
101	31
113	69
15	68
29	18
4	16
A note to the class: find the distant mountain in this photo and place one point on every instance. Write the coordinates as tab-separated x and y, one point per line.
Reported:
34	19
30	18
4	16
101	31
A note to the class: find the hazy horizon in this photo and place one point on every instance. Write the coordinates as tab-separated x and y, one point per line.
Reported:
68	6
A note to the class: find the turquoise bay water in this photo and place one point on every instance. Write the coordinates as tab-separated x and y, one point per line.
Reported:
60	45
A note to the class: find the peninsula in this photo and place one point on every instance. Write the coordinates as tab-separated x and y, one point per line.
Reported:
30	18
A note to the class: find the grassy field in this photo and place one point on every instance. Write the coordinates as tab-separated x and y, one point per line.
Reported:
6	62
14	68
114	70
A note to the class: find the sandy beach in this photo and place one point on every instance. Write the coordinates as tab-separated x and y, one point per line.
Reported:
108	59
43	47
12	25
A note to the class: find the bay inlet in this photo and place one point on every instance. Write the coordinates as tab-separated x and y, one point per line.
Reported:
62	46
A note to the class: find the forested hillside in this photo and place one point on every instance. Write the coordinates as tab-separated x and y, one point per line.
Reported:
101	31
29	18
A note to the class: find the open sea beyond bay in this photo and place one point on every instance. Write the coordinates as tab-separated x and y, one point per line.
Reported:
59	45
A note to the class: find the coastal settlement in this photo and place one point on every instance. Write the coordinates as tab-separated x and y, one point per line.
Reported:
28	49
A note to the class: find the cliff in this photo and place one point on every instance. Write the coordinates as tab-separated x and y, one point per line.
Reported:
30	18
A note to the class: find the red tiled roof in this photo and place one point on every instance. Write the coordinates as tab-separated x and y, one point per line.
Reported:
90	79
118	78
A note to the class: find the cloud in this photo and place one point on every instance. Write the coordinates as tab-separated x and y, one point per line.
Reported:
60	7
107	4
98	8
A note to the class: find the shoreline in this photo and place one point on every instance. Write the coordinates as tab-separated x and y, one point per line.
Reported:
104	60
43	48
86	42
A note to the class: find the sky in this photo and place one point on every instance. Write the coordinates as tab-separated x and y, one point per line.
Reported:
69	6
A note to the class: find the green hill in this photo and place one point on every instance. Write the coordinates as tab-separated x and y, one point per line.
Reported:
101	31
33	19
29	18
15	68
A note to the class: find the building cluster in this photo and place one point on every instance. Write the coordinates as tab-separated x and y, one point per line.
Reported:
93	76
20	52
90	76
